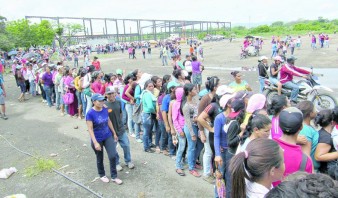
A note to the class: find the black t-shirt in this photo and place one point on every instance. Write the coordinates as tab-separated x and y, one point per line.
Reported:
212	110
275	67
325	137
262	70
114	110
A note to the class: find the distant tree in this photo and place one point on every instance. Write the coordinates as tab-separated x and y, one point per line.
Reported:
64	32
277	24
322	20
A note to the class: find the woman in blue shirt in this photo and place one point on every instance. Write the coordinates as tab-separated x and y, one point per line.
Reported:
102	134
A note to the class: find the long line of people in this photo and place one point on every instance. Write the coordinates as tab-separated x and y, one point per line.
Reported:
254	145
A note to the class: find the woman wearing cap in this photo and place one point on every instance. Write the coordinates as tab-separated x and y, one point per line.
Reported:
239	84
274	70
102	134
262	72
254	170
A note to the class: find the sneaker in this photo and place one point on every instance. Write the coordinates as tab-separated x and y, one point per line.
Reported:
152	145
117	181
4	117
149	151
44	101
195	173
119	167
210	179
132	135
139	141
104	179
173	157
130	165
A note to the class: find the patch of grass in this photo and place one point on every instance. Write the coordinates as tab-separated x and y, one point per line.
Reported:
41	165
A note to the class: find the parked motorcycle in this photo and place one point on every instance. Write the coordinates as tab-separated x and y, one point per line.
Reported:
308	90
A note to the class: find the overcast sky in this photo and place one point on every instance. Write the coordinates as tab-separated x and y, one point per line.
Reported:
236	11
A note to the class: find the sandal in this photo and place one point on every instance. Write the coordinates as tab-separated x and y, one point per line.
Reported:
195	173
180	172
104	179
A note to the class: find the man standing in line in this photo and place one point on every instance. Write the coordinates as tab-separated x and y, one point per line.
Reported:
115	115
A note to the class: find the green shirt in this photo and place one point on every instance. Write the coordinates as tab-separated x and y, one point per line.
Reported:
148	102
238	87
312	136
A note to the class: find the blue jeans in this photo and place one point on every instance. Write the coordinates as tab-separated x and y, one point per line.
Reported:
295	90
148	124
129	109
48	92
261	83
124	143
57	98
274	53
110	145
164	135
180	150
172	147
84	102
157	130
124	113
191	148
32	87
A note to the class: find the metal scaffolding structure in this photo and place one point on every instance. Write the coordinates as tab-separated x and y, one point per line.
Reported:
183	28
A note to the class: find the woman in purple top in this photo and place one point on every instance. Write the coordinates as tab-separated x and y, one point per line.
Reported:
47	81
197	69
278	103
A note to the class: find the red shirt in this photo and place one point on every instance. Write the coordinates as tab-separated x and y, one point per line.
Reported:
97	65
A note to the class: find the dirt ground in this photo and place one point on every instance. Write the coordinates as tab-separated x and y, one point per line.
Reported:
37	129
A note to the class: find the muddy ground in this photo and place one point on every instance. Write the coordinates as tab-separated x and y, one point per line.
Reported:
37	129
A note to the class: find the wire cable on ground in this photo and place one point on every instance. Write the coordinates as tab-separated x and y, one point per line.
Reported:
56	171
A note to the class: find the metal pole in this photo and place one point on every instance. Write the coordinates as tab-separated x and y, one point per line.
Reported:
117	32
124	31
154	26
138	30
84	27
169	28
91	27
105	25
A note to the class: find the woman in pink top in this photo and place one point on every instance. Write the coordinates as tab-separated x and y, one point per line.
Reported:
278	103
178	121
70	87
97	85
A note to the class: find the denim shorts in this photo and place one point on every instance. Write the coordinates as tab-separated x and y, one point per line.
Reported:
273	80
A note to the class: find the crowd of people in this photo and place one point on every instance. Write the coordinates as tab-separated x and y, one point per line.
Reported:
251	148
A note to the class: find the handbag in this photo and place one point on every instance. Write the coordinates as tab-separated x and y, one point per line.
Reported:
68	98
220	184
137	113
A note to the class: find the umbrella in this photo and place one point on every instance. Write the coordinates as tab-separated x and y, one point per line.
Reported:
250	37
11	53
29	55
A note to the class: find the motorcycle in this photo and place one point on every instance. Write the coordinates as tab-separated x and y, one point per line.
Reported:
249	51
308	90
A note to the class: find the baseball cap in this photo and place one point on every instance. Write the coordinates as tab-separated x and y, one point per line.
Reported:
290	120
225	99
236	107
98	97
172	84
110	89
278	58
256	101
291	58
224	89
119	71
263	58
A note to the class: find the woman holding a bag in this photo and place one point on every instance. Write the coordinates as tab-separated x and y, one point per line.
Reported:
71	102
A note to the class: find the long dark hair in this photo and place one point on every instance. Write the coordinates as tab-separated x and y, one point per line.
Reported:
260	156
255	121
277	105
166	79
187	88
324	118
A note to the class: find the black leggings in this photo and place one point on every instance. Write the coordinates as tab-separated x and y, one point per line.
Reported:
211	142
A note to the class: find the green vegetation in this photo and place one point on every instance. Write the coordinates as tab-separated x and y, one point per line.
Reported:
279	28
41	165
